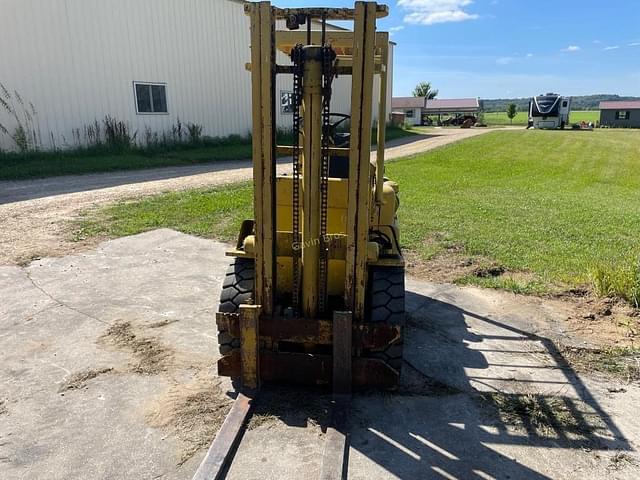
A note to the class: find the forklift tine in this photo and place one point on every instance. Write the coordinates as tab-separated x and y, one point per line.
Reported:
222	450
335	457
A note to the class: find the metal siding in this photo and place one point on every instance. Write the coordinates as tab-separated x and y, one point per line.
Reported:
76	60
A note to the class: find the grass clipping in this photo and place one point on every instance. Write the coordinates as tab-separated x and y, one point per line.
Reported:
193	413
543	415
79	380
622	363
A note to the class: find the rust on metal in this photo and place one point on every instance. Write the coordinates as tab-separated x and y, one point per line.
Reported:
249	346
311	369
342	346
316	331
330	14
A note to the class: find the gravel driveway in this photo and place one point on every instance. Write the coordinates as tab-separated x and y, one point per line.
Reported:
35	214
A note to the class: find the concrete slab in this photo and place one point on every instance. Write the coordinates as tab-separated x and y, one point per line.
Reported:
108	372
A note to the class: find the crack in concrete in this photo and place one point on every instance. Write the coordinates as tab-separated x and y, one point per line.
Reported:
60	302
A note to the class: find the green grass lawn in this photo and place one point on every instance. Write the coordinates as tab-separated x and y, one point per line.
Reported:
561	206
49	164
557	204
500	118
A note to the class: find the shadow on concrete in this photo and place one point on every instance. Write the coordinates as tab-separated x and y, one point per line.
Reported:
464	411
449	422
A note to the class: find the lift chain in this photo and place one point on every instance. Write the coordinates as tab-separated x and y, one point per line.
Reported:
297	57
328	57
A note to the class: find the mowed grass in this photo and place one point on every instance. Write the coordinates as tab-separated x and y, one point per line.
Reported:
556	205
521	118
212	213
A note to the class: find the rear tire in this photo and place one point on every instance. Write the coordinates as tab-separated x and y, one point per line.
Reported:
237	289
386	304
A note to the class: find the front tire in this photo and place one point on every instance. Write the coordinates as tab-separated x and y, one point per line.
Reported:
386	304
237	289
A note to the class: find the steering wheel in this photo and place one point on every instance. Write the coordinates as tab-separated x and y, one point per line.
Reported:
343	118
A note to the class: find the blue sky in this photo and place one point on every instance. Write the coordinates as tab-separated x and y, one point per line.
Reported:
512	48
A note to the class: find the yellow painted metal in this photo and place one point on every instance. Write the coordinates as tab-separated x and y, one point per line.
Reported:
253	10
311	171
352	214
359	166
337	204
382	118
249	345
340	41
263	55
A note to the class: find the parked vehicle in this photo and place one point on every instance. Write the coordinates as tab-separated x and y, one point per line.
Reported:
549	111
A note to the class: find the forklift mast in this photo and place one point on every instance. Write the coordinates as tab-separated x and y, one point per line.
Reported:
318	54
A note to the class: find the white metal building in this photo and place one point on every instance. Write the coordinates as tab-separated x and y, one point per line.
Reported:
145	62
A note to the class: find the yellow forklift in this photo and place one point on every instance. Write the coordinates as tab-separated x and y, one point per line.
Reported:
315	292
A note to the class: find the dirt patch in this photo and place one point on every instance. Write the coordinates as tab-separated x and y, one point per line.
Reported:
193	412
445	267
601	321
152	357
542	415
609	321
293	407
79	380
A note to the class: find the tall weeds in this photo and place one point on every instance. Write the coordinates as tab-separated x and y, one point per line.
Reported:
24	134
618	280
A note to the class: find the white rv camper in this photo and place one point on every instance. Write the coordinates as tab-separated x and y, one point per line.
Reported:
549	111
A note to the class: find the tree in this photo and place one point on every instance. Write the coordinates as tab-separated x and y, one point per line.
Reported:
512	111
424	89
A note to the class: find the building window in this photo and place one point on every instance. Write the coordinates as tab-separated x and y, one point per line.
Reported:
150	97
410	113
623	115
286	102
565	103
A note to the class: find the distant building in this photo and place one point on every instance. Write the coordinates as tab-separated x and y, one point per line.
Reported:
412	108
452	106
416	108
624	114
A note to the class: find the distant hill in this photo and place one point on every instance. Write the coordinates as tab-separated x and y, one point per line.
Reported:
579	102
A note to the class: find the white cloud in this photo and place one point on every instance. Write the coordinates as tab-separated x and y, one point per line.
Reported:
429	12
529	55
504	60
396	29
597	42
634	44
614	47
572	48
